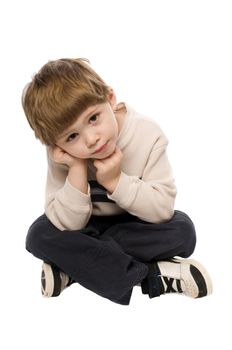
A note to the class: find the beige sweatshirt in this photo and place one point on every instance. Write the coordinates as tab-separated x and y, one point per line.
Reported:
145	189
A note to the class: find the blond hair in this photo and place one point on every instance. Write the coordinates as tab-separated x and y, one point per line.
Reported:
58	94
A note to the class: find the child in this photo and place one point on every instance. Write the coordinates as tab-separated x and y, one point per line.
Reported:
109	222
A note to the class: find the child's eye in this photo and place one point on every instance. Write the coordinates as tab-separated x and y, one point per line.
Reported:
94	117
71	137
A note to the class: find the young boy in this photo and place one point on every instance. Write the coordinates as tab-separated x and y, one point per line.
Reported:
109	222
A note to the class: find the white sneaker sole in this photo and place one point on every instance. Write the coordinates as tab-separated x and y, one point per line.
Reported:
49	281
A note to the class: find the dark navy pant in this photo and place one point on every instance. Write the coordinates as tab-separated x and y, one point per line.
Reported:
109	255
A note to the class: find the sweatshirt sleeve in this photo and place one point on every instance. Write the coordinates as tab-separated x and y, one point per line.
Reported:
151	197
65	206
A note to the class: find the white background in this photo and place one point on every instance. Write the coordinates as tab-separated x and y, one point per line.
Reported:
172	61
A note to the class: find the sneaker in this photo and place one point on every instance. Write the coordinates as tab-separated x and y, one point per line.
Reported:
184	276
53	281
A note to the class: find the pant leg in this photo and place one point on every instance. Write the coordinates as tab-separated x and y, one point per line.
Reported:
99	265
147	241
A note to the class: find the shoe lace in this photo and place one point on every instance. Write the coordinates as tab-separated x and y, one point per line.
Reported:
171	285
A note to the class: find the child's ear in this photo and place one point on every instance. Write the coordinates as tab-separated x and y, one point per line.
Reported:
112	98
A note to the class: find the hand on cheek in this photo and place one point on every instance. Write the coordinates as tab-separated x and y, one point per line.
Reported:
59	155
108	170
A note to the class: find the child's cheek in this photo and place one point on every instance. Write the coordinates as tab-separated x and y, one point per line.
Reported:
76	153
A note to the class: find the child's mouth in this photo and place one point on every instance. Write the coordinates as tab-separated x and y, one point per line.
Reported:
103	148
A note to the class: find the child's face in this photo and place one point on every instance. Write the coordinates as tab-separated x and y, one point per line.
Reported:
95	127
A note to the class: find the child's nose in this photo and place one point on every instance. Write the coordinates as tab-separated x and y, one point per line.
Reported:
91	139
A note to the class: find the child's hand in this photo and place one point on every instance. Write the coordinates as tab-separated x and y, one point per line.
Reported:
58	155
109	170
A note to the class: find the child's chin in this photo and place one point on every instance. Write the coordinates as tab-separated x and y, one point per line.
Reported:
103	156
